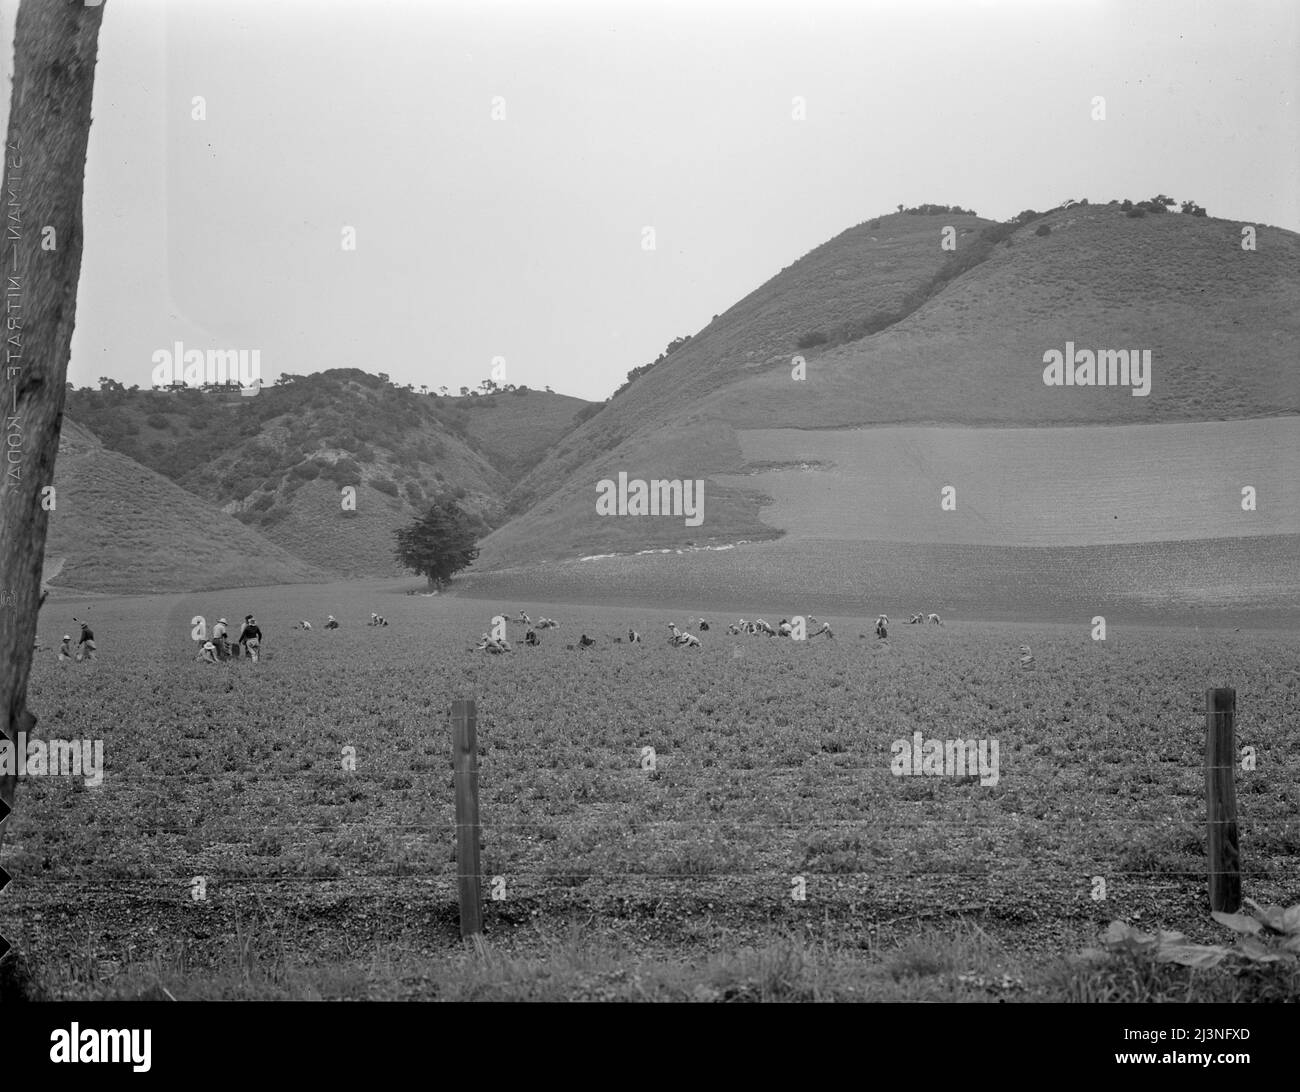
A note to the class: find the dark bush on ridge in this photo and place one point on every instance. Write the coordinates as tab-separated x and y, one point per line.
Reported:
940	210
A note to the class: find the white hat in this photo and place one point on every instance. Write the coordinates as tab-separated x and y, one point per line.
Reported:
209	644
222	620
67	637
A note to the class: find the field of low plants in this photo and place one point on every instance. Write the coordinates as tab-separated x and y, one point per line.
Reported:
770	779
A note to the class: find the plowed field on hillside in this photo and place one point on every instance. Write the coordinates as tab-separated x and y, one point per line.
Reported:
1029	487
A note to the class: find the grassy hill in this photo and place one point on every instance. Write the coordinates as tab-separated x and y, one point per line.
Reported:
120	527
516	429
278	461
914	334
923	369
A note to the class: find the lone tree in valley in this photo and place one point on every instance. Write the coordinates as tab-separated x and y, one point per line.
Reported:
438	544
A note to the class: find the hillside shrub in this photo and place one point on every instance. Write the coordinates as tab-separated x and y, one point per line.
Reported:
263	502
156	420
811	339
587	412
958	263
307	471
874	224
414	493
996	233
1135	213
1042	229
388	488
637	372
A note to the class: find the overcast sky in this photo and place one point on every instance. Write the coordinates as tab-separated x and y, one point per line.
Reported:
522	238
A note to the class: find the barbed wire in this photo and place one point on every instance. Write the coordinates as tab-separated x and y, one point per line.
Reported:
670	762
782	877
1004	825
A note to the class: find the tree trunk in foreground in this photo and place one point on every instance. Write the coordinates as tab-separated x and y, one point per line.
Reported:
55	42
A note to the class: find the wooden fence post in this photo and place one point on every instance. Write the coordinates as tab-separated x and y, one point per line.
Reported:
464	747
1221	800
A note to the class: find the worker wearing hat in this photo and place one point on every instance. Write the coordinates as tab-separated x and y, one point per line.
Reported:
221	638
250	636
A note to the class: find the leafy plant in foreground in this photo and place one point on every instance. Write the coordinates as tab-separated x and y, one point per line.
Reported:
1280	927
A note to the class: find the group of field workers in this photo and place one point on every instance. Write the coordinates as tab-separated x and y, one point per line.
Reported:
220	647
496	641
333	623
85	649
784	628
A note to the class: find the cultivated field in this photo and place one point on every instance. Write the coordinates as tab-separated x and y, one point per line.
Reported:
1028	487
1250	581
772	760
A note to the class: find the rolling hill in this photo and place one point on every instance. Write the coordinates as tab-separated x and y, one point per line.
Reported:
118	527
963	344
279	461
872	417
